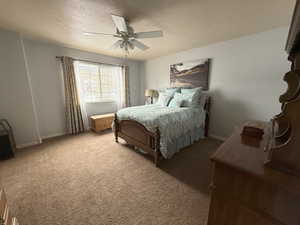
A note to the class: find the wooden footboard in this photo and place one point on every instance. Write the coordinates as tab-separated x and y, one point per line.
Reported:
136	134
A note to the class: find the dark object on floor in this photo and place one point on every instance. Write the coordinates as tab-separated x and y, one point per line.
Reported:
7	141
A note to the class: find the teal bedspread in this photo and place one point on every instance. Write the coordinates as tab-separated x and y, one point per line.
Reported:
175	124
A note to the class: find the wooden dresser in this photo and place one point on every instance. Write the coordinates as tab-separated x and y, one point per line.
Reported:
245	191
101	122
256	180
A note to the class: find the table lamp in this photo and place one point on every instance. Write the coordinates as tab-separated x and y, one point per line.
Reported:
149	93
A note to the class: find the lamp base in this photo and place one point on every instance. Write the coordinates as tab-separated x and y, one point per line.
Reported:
149	100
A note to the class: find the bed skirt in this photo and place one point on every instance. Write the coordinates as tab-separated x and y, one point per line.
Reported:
184	141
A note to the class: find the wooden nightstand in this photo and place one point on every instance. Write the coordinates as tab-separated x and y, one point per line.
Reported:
101	122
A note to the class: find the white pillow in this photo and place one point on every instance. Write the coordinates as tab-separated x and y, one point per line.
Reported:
195	94
163	99
175	102
189	99
191	90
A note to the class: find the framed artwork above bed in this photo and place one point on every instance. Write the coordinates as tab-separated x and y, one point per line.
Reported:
193	73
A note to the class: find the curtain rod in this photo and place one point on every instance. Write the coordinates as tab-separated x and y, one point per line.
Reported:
84	60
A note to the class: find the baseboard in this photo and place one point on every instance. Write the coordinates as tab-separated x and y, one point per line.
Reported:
217	137
53	135
30	144
27	144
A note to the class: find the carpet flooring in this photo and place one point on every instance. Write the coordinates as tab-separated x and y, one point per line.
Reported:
91	180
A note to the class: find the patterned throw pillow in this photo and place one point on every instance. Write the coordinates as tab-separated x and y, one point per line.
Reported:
192	96
190	90
175	103
191	99
163	99
172	91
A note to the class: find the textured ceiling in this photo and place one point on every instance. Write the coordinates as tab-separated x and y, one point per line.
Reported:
186	23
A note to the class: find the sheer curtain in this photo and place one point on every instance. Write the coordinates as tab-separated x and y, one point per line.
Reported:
82	98
120	83
123	86
114	86
125	83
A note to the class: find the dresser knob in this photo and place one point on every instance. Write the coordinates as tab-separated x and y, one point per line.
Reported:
212	187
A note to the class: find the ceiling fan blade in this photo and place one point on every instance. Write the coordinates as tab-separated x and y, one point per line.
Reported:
150	34
120	23
95	34
117	44
139	44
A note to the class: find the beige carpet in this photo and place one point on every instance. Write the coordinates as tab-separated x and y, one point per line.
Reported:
91	180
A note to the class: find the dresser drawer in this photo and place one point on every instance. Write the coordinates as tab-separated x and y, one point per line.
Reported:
226	211
256	194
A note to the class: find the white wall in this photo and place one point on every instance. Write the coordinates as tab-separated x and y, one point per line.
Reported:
47	83
44	71
245	80
15	101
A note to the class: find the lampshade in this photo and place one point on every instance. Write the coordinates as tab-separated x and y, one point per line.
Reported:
149	93
155	94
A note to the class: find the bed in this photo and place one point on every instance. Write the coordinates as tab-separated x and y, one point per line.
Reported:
162	131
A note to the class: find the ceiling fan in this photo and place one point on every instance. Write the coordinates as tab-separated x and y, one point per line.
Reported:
127	36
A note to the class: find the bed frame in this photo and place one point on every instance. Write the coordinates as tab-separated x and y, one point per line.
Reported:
136	134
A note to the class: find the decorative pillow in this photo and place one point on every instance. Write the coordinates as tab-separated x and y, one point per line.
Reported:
191	97
175	103
163	99
190	90
184	98
172	91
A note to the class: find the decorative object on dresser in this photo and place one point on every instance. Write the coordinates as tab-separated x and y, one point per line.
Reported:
284	143
5	215
253	129
7	141
101	122
245	191
190	74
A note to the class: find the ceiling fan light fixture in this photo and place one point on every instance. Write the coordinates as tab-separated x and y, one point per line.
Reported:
95	34
88	34
120	23
127	37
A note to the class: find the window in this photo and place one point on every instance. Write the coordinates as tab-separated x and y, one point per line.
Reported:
99	82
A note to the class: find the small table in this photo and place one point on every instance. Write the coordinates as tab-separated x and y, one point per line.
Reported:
101	122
